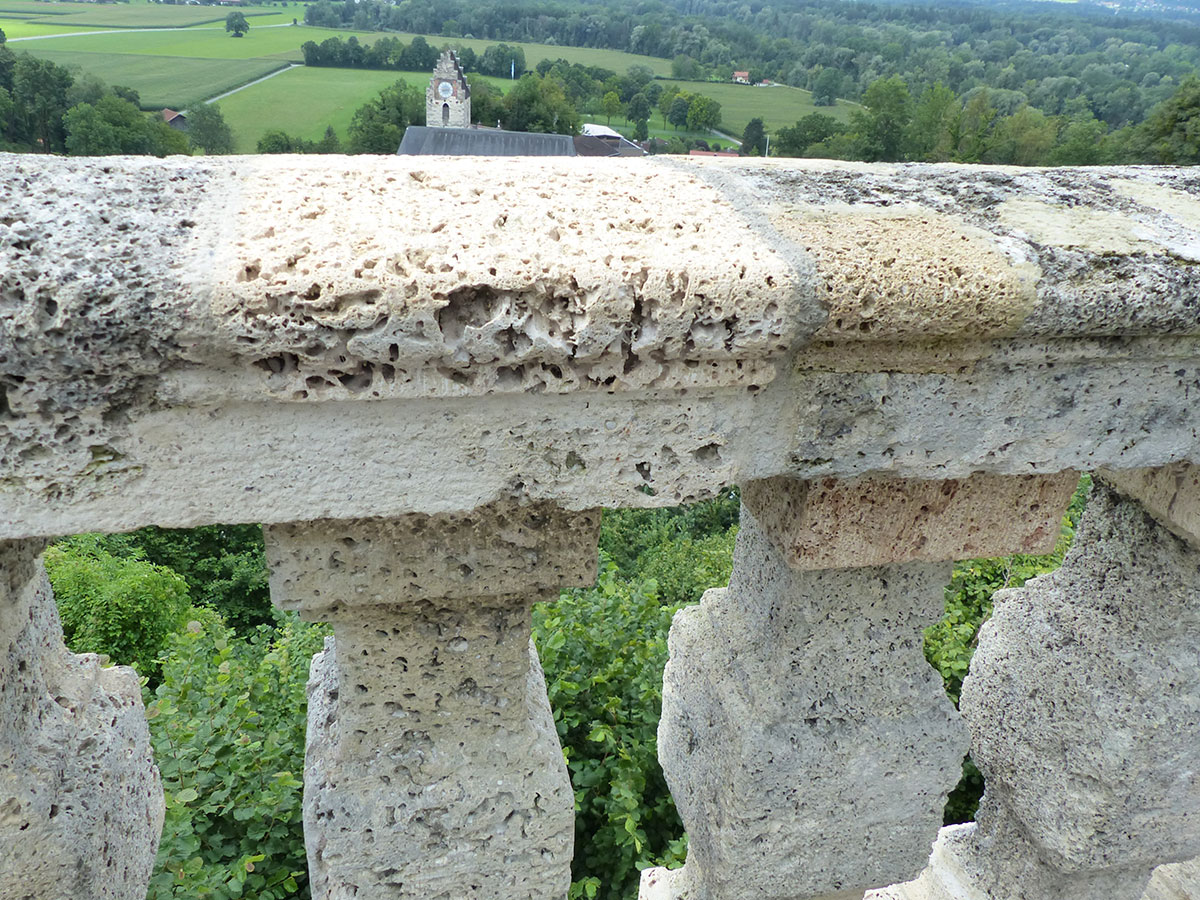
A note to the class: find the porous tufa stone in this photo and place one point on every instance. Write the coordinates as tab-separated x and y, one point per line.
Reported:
433	768
81	804
831	524
1084	690
1170	493
808	745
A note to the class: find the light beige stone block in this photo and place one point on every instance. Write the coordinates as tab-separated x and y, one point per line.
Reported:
829	524
433	768
325	568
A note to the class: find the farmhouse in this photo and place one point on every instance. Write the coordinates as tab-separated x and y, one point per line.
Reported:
741	77
176	120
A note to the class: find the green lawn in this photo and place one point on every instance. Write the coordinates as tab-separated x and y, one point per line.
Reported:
173	81
201	43
132	15
304	101
777	106
20	28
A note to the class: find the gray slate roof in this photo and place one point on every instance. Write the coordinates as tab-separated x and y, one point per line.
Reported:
421	140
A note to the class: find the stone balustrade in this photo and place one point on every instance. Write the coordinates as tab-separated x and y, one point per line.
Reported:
424	379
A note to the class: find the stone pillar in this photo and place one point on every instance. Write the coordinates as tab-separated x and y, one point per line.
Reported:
433	768
1083	702
81	804
807	743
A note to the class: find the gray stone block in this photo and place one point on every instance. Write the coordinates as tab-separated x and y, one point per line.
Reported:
807	743
81	804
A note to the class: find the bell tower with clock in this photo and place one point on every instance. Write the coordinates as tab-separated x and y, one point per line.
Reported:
448	99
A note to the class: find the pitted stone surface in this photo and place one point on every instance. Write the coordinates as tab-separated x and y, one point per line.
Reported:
1171	494
433	769
546	331
833	524
325	568
545	277
808	745
81	804
890	273
1085	688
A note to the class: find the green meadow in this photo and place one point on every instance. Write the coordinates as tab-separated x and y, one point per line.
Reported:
177	82
280	43
22	28
776	106
130	15
303	102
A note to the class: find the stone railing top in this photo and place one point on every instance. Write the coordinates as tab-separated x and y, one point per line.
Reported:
283	339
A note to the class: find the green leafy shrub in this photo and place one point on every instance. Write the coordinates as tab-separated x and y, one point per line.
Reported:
625	534
227	725
950	642
121	607
225	566
685	568
603	650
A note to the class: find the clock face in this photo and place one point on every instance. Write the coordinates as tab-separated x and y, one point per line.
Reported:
445	89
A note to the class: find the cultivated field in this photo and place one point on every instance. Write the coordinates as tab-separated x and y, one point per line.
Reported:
22	28
128	15
173	81
201	42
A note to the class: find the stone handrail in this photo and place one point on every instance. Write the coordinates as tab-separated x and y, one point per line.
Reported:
425	377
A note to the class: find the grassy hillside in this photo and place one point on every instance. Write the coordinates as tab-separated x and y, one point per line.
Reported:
161	81
776	106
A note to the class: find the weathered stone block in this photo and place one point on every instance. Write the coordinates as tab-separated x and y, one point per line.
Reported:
831	524
1084	704
808	745
1170	493
326	567
433	769
81	804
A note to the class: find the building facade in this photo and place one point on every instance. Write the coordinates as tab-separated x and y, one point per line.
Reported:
448	98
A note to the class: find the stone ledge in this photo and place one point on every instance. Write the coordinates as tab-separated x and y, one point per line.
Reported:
182	341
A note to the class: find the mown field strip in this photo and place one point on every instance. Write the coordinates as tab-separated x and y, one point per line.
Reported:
16	29
776	106
201	43
172	81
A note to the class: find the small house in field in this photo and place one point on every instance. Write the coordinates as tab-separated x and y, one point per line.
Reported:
741	77
176	120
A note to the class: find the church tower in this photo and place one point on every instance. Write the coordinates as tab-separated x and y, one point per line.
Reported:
448	99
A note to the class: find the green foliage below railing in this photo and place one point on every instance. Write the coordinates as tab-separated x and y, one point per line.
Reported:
227	725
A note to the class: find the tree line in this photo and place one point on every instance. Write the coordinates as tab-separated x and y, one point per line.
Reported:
986	126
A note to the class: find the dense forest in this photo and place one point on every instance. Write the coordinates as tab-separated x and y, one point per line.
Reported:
1061	62
224	681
